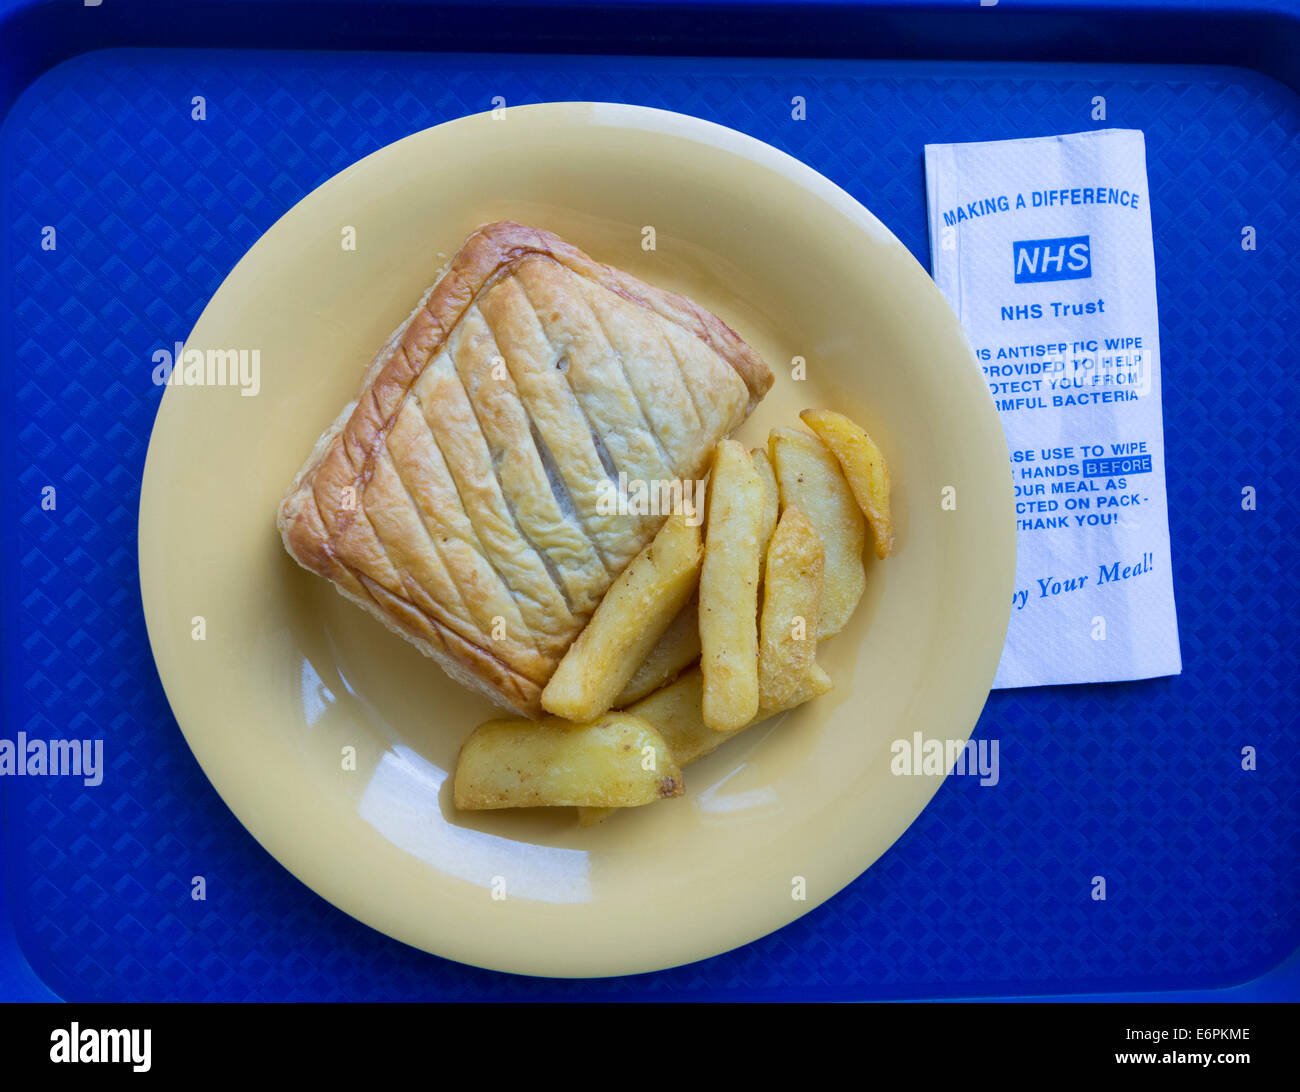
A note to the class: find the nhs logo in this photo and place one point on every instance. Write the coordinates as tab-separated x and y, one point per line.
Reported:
1068	259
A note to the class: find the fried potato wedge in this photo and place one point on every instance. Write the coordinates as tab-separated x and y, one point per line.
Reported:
792	595
771	497
809	478
729	590
676	649
627	624
675	711
864	468
617	760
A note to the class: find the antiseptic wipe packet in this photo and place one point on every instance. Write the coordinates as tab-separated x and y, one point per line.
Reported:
1043	248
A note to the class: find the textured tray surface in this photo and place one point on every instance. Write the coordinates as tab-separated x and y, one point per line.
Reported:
988	892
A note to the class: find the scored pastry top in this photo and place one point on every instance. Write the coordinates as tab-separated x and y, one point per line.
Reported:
459	498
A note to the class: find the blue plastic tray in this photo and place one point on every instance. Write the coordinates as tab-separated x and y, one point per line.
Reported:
988	893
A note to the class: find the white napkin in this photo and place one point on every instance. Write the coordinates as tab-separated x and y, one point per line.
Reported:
1043	248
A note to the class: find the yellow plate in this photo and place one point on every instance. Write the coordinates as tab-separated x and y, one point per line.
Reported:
332	740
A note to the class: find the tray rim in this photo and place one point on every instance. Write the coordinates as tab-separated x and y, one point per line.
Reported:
1264	35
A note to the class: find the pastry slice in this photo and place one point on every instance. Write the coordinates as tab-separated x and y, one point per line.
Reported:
464	498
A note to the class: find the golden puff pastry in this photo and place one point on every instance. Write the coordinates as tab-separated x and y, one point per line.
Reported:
459	498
